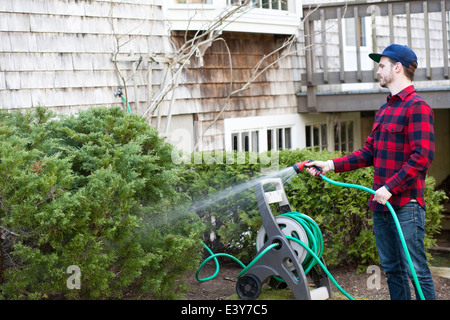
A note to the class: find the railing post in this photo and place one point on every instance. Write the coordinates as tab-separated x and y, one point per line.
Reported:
444	38
391	23
374	39
408	23
324	46
357	43
309	52
427	38
341	46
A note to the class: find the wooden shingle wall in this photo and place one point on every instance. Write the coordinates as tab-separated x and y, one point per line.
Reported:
58	53
208	85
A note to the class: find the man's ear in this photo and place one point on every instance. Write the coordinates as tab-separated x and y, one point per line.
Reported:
398	67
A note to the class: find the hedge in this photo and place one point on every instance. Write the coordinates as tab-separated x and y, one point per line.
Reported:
90	192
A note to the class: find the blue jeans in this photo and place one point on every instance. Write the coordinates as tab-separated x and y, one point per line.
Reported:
392	256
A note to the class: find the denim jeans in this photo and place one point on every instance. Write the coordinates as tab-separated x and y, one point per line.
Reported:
392	256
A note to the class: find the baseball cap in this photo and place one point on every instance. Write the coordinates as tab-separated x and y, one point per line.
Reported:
399	53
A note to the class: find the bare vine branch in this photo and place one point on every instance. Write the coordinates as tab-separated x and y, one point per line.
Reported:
118	44
193	45
257	72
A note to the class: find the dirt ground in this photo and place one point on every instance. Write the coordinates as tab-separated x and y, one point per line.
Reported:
223	286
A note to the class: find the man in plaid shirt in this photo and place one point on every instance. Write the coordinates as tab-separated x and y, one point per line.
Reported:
401	149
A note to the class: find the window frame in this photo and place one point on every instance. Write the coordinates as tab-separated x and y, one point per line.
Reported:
349	144
329	121
286	123
193	17
238	141
323	145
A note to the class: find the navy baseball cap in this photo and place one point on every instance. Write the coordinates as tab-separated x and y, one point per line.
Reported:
399	53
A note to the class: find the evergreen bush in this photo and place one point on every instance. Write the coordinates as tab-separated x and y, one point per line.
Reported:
91	191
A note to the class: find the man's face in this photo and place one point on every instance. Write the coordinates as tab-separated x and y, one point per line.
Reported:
385	72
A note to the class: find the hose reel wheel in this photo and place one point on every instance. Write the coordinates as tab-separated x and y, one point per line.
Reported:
289	227
248	287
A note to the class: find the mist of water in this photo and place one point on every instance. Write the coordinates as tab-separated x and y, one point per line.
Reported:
286	175
233	194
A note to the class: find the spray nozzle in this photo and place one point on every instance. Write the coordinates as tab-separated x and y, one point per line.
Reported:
298	167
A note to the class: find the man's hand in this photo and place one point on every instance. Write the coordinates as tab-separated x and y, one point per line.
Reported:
321	164
382	195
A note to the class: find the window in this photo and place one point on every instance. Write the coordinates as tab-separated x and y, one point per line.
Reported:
264	4
261	16
351	61
262	133
245	141
350	39
316	136
193	1
279	138
343	136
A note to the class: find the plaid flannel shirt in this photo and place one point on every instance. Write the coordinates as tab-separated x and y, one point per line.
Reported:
400	147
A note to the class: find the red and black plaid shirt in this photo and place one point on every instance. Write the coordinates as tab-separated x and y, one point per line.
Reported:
400	147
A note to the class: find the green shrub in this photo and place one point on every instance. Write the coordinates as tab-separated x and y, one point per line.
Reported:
86	190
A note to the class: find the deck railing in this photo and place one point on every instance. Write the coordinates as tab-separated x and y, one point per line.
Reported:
422	25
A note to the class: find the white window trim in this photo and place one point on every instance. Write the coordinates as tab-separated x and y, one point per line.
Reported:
262	124
340	142
321	143
240	146
313	119
297	123
199	16
274	131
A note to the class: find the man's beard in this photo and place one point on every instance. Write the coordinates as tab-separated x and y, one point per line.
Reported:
385	81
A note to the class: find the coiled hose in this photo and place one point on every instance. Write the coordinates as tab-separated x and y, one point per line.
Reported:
314	251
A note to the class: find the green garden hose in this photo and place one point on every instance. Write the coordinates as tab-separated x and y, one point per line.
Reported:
397	224
298	167
215	255
128	106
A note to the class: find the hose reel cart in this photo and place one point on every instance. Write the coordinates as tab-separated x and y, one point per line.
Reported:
282	263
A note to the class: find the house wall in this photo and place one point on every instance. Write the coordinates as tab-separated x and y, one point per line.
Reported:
205	88
58	54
